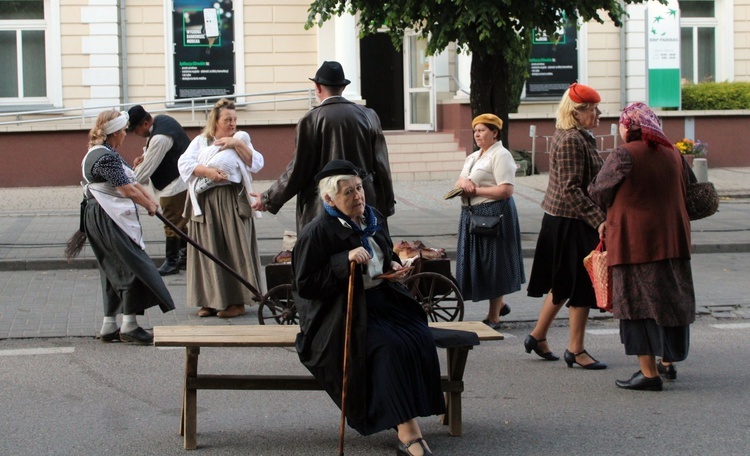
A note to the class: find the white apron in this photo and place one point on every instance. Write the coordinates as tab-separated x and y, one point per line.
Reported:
123	211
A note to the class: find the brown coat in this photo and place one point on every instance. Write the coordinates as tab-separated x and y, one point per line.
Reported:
648	234
647	221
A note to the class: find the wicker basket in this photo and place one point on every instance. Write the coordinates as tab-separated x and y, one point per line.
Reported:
601	277
702	200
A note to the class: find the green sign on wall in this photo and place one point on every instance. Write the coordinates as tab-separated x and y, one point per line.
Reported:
663	46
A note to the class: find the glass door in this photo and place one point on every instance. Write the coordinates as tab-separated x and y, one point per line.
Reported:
419	82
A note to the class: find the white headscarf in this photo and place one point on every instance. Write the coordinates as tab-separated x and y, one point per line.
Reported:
116	124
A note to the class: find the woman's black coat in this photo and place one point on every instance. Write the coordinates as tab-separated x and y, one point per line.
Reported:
321	273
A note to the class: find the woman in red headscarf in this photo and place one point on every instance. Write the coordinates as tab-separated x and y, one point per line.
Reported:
642	187
569	228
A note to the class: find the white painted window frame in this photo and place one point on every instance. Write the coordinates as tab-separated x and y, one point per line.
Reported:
723	24
51	27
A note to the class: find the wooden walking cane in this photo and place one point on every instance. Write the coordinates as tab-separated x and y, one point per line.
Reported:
211	256
347	342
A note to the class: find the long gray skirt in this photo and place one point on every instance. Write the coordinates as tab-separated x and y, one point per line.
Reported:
227	230
130	281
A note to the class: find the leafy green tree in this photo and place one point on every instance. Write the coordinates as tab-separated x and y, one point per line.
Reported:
497	33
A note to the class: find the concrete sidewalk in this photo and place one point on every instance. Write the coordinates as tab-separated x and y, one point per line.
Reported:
35	223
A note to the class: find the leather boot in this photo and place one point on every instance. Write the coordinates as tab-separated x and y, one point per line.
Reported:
172	253
182	255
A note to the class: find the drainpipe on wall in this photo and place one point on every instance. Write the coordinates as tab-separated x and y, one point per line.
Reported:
623	64
123	54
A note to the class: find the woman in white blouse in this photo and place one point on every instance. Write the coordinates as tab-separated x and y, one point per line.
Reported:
221	218
489	266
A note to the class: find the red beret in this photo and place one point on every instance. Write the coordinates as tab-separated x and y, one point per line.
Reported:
580	93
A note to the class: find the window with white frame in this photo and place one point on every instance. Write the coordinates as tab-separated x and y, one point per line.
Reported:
698	30
25	43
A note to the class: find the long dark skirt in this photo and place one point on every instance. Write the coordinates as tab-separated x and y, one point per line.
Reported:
488	267
562	245
403	375
130	281
645	337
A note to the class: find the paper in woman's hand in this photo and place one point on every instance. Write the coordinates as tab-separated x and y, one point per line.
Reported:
395	275
453	193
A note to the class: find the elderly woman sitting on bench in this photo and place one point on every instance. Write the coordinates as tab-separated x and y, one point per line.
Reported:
395	373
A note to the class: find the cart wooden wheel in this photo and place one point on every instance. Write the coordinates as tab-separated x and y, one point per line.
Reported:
438	295
278	306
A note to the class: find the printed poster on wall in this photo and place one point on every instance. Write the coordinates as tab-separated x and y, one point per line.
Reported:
663	45
553	63
203	48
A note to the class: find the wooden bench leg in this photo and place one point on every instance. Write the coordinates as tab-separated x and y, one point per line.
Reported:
457	357
189	419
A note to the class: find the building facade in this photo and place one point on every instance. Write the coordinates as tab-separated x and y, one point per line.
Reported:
77	57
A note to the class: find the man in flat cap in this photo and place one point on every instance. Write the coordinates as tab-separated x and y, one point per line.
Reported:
166	142
335	129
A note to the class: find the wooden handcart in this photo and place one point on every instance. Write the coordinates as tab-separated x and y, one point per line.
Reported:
430	282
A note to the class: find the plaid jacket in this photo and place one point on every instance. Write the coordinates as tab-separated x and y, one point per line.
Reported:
574	161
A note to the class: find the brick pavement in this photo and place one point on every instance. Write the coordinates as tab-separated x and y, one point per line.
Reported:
35	223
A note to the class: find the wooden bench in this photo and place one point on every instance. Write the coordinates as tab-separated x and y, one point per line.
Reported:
195	337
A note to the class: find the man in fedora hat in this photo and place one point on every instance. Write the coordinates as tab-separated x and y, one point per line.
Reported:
158	164
336	129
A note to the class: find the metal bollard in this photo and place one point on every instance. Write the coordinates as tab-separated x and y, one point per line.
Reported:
700	168
532	134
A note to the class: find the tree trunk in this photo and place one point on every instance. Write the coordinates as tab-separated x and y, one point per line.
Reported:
496	87
497	79
489	88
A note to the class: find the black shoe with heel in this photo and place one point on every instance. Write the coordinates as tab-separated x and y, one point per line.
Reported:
532	344
503	312
667	371
571	358
494	326
403	448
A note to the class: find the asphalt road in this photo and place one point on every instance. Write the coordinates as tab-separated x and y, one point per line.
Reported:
79	396
75	395
88	398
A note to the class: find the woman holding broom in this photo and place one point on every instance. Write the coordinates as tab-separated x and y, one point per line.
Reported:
109	219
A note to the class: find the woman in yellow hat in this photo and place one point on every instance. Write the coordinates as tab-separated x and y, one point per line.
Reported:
489	266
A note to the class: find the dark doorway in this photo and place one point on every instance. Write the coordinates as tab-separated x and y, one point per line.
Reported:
382	70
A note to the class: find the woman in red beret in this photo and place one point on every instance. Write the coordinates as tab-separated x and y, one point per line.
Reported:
570	228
